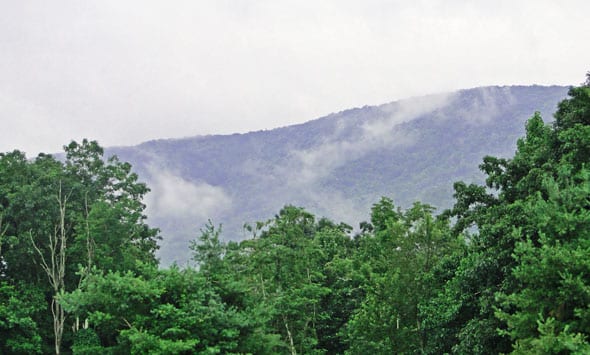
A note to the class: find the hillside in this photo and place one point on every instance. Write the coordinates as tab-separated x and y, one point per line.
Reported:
336	166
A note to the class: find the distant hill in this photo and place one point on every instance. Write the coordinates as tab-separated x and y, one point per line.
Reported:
335	166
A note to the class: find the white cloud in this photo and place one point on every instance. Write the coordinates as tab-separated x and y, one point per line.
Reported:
175	197
486	105
179	208
317	162
299	178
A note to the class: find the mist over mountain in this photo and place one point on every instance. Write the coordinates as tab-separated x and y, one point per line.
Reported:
335	166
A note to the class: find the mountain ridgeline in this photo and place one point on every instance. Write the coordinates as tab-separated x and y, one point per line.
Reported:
335	166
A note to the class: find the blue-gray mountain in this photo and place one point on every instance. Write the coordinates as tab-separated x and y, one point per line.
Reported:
336	166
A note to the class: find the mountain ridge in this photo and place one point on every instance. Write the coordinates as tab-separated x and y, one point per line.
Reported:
336	165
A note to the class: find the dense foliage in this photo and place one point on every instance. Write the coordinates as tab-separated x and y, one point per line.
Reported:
506	270
59	221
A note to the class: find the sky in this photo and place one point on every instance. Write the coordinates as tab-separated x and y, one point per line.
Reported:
123	72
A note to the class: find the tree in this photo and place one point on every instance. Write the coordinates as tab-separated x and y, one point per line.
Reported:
286	272
396	259
170	311
522	284
58	216
548	311
55	268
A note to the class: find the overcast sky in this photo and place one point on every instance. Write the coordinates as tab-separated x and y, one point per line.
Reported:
123	72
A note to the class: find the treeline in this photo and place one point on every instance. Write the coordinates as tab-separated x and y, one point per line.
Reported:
506	270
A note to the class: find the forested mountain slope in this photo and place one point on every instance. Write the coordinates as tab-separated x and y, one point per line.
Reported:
336	166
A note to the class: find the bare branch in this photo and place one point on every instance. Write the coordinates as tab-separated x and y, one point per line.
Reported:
43	262
56	270
2	232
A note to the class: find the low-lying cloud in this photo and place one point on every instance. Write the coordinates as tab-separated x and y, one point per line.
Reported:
172	196
179	207
304	172
318	162
487	104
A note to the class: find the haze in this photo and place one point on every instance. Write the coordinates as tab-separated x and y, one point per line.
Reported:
126	72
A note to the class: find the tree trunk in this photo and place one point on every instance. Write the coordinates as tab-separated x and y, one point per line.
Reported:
2	232
56	268
291	343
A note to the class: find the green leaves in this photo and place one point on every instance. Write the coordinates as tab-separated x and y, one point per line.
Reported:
19	331
58	215
526	272
158	311
397	260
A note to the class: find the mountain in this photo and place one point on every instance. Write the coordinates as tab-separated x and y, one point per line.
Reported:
335	166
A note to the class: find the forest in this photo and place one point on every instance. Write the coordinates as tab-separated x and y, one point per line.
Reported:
505	270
